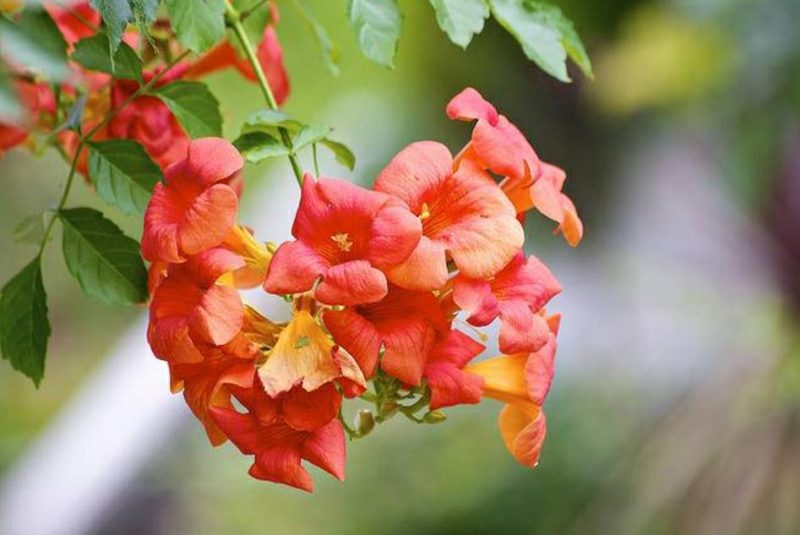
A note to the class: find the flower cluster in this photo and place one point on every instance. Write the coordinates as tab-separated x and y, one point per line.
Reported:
144	118
379	280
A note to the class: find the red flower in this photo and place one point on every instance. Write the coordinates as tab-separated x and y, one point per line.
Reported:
464	215
148	120
190	310
522	382
405	323
499	146
449	383
515	295
36	99
346	235
269	54
195	209
278	447
72	20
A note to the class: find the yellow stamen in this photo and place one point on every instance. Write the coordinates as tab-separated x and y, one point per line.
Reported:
342	239
425	213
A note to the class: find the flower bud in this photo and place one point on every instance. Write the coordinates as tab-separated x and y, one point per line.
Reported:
364	422
434	417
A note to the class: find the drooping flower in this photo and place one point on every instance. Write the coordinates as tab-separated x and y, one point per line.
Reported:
404	324
148	120
189	309
465	216
305	356
345	236
268	51
279	448
499	146
522	382
449	383
195	209
515	294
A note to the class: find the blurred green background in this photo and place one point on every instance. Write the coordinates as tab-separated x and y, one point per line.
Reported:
676	404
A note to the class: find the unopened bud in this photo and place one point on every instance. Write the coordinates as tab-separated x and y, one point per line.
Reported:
364	422
434	417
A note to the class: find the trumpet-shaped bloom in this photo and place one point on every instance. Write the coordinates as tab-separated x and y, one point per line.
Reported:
148	120
464	215
269	53
196	208
444	371
522	382
545	195
305	356
207	384
405	324
279	448
190	310
515	295
345	235
72	19
499	146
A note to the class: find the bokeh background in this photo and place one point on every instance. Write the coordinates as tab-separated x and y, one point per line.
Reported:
676	402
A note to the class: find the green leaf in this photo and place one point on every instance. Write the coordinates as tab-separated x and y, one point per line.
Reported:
30	231
377	25
546	36
10	110
272	119
105	262
195	107
198	24
341	151
461	19
116	14
123	173
259	146
144	12
36	43
309	134
330	52
94	54
24	327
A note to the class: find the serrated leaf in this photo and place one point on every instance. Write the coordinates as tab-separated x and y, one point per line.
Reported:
546	36
259	146
35	42
341	152
377	24
461	19
116	14
105	262
329	51
196	109
24	327
123	173
309	134
144	12
198	24
94	54
31	230
569	37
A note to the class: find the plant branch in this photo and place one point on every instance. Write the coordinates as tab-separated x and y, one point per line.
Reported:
88	136
234	20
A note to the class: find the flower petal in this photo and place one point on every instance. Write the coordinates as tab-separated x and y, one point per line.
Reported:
416	173
352	283
470	105
211	159
523	431
307	411
326	449
521	330
294	269
218	317
449	383
209	219
424	269
357	335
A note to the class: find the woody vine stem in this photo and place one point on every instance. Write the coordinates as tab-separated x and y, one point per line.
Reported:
234	20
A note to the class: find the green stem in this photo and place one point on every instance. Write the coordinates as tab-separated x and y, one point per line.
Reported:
86	138
235	22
